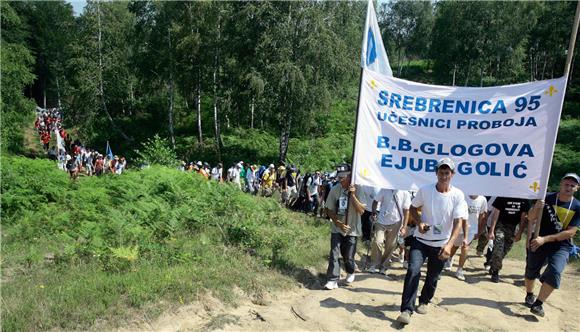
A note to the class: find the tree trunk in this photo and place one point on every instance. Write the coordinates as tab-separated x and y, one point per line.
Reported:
101	89
252	112
467	76
198	111
218	138
481	77
171	92
285	137
170	112
44	93
58	92
544	67
454	72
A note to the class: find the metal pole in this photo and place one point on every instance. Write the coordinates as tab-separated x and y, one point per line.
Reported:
569	57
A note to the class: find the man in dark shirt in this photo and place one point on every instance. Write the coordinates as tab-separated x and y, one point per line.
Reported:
509	213
560	219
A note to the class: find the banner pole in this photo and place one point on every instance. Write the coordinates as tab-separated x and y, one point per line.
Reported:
354	139
569	56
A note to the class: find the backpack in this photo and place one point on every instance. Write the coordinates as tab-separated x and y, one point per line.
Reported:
261	171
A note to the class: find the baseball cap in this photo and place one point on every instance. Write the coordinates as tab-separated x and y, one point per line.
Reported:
446	161
342	170
572	176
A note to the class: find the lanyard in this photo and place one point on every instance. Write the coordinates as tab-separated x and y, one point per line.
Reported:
567	210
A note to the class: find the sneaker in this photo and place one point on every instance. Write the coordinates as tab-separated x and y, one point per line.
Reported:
537	310
448	264
372	269
401	259
459	275
486	266
383	271
529	301
404	318
350	278
421	308
333	284
494	276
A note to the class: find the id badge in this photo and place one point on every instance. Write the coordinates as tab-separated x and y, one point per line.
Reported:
342	204
437	229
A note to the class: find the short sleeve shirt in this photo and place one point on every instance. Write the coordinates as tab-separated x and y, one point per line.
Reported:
511	209
337	201
558	216
393	204
438	210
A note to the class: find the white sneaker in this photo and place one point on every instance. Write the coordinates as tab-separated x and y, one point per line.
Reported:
459	274
401	259
331	285
448	265
372	269
350	278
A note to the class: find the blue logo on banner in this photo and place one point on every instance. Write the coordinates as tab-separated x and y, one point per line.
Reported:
371	48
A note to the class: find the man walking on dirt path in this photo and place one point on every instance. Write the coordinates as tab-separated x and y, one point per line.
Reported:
391	221
509	213
477	207
444	213
342	199
560	219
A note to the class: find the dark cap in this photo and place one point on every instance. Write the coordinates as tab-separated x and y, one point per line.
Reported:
572	176
343	170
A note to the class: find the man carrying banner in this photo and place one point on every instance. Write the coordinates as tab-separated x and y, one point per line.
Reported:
560	219
342	200
444	213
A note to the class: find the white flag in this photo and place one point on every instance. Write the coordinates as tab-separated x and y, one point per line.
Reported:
374	56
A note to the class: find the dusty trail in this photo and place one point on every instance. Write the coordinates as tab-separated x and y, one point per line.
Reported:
372	303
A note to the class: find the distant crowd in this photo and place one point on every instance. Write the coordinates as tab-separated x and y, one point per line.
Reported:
299	191
72	156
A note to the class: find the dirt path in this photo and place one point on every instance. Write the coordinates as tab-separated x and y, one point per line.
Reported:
372	303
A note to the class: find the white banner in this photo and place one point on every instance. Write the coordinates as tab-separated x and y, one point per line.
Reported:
500	138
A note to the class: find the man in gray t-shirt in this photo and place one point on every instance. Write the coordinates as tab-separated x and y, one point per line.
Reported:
344	209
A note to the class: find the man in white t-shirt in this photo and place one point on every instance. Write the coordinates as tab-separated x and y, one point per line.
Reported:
477	207
443	213
391	221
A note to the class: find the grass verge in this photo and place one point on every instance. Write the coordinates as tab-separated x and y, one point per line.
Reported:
104	249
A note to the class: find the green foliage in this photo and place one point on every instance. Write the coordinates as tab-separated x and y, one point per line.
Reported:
16	74
156	151
102	247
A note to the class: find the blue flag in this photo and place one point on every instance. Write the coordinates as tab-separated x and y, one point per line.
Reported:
108	151
374	55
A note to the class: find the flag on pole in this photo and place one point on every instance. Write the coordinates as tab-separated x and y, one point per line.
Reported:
374	56
108	151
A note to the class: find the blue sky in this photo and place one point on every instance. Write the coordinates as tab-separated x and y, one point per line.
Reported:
78	5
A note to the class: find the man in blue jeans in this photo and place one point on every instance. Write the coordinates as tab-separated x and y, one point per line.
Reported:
560	220
443	213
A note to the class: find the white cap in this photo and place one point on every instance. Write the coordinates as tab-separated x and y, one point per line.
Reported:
446	161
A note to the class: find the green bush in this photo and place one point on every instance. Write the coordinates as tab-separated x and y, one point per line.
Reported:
102	247
156	151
